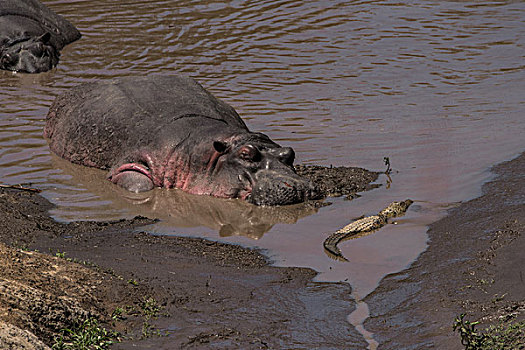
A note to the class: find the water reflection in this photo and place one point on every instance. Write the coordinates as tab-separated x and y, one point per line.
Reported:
437	86
228	217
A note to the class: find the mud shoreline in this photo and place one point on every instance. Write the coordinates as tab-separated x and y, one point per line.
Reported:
473	265
216	295
204	293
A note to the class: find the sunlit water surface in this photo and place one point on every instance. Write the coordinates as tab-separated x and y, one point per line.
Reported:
436	86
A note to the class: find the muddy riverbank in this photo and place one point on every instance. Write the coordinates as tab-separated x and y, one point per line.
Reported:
473	265
187	292
163	292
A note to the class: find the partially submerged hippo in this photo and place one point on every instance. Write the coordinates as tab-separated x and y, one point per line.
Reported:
168	131
31	36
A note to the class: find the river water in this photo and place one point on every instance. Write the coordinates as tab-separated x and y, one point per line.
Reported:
436	86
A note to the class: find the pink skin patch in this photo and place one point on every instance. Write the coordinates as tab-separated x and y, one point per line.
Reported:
129	167
169	169
245	193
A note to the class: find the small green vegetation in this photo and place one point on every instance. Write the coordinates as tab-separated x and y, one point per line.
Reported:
22	246
86	335
133	282
470	338
150	310
118	314
505	336
61	255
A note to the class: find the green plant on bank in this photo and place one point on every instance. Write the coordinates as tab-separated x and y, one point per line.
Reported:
117	314
61	255
470	338
505	336
22	246
150	310
86	335
90	335
133	282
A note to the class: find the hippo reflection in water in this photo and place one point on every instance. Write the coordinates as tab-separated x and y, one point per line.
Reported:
168	131
31	36
175	208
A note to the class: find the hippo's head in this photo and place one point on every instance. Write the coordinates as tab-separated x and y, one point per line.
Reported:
262	173
29	55
248	166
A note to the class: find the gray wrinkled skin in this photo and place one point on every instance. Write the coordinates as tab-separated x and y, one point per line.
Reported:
282	186
31	36
168	131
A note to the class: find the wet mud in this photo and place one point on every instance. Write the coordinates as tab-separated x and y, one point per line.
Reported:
208	294
339	181
216	295
473	265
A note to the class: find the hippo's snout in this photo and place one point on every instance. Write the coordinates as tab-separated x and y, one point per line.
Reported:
273	188
34	55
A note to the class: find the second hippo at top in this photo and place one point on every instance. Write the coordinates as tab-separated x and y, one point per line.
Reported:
31	36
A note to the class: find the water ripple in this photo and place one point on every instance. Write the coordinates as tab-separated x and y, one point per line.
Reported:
437	86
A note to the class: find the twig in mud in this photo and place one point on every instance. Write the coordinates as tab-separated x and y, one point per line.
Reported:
388	181
387	163
388	171
21	188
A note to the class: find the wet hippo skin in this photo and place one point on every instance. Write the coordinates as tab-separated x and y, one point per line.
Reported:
168	131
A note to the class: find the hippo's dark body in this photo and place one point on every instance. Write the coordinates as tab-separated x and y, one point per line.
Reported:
168	131
31	36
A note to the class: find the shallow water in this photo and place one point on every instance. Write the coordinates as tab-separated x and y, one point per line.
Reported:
435	86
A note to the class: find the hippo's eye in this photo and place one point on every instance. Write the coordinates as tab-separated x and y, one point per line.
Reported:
249	153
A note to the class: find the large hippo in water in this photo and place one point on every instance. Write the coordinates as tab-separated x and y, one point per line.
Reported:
168	131
31	36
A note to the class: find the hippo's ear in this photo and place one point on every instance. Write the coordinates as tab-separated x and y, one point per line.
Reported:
44	38
220	146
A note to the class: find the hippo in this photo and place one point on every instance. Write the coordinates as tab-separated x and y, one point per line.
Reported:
168	131
31	36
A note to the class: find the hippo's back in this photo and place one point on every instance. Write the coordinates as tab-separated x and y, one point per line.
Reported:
15	14
93	122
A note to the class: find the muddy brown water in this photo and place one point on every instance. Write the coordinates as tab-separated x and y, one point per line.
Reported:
436	86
